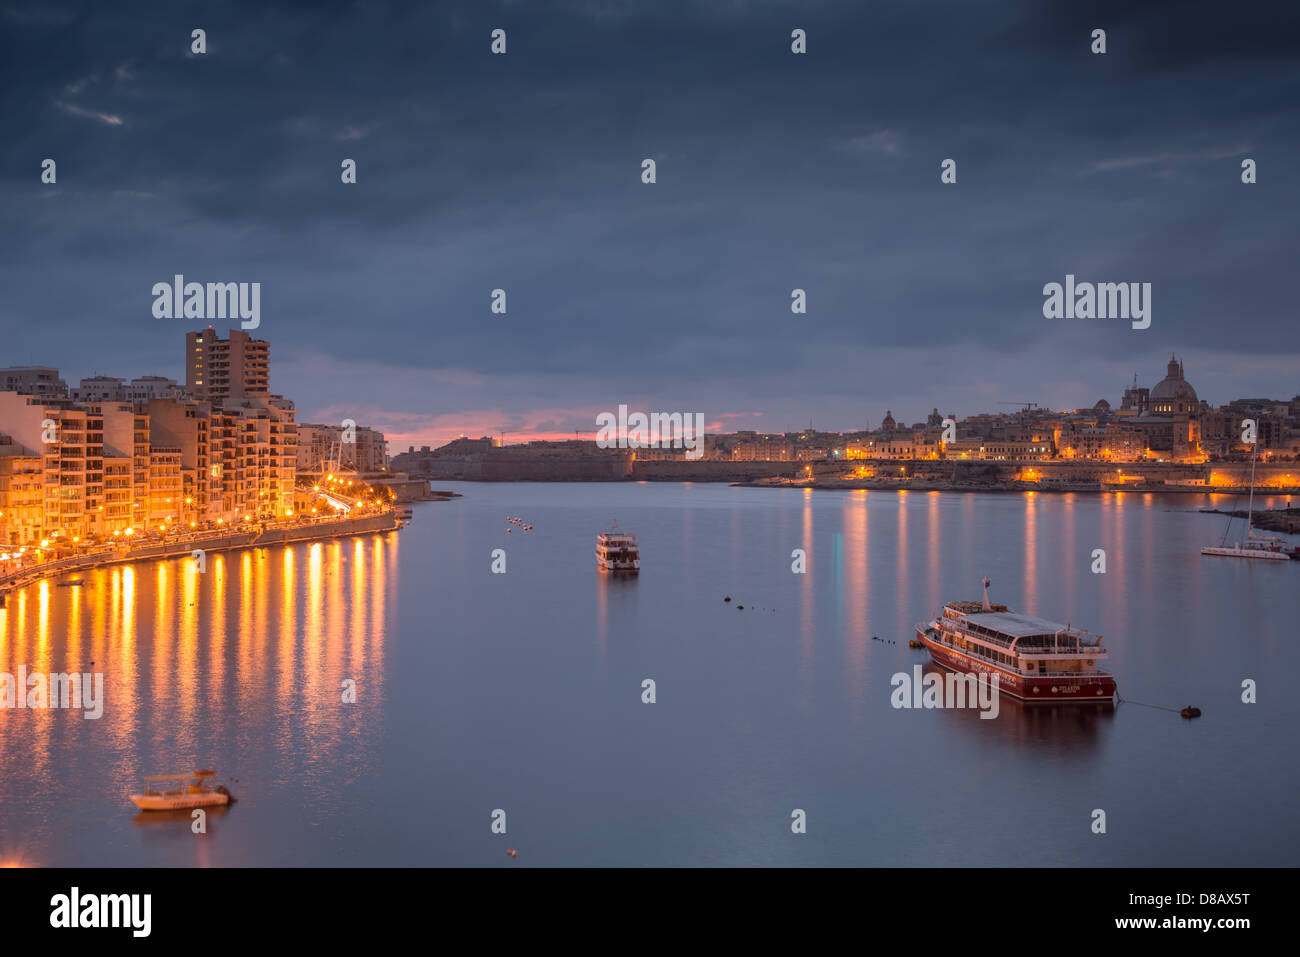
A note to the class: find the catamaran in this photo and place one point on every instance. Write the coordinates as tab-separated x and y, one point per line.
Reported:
169	792
1266	547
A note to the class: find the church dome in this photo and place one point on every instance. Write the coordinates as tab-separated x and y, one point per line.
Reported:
1173	393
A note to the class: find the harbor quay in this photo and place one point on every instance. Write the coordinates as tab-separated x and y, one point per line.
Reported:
1228	478
185	545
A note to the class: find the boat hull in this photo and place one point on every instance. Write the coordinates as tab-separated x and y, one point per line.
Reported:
173	802
631	566
1030	688
1246	553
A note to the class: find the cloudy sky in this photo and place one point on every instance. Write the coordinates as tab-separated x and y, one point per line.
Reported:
775	171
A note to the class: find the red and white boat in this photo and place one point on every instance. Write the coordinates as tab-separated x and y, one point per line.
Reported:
1034	659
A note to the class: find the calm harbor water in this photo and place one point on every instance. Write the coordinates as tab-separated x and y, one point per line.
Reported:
522	691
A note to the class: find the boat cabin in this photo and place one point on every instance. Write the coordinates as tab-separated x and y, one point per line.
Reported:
1022	643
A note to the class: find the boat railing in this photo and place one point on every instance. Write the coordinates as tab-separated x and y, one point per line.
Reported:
1074	643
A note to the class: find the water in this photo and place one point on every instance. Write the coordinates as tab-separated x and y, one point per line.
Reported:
522	692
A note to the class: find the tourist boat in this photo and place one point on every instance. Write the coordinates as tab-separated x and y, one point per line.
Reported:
1266	547
617	551
169	792
1034	659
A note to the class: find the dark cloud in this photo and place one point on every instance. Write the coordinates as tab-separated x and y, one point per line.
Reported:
775	171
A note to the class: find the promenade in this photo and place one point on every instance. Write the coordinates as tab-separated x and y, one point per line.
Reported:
185	544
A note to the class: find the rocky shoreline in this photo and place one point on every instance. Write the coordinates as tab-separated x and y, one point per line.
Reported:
1285	520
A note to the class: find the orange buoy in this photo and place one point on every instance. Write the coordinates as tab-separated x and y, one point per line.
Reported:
511	853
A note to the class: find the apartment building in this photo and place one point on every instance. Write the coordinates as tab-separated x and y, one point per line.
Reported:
230	369
33	380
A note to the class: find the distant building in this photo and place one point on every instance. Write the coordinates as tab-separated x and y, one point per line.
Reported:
33	380
148	387
1174	395
100	388
1136	401
322	448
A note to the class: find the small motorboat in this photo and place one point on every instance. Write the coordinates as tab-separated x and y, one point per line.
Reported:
170	792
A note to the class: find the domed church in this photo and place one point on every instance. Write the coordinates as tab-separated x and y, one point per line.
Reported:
1173	395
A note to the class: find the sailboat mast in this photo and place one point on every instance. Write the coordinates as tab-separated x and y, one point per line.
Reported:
1250	508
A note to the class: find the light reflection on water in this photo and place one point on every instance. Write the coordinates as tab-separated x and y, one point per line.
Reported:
196	673
523	691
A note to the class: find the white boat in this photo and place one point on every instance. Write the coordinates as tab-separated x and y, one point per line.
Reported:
170	792
1034	659
1265	547
618	551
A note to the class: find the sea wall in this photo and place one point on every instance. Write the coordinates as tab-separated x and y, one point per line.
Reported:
666	470
505	465
184	547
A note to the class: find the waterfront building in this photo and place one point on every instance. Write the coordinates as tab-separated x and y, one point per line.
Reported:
1035	447
114	459
185	424
755	447
22	495
166	488
1106	442
226	369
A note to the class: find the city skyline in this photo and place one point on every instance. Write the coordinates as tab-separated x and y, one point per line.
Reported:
819	172
154	383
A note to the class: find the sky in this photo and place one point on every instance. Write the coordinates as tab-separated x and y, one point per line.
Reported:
774	171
